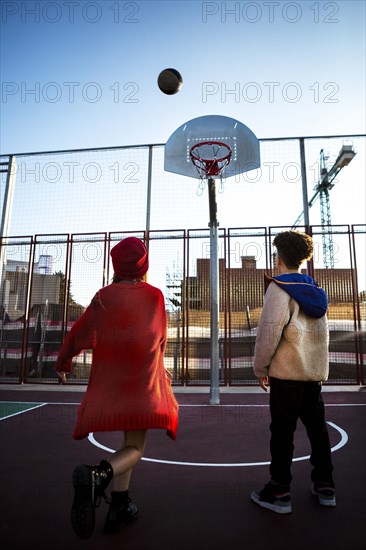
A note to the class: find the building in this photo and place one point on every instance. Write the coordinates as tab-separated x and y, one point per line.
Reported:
243	287
45	286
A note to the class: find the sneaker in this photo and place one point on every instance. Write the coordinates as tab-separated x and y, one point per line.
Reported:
118	516
273	497
325	493
89	483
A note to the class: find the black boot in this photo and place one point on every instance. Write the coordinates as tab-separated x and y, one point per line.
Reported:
120	512
103	474
90	483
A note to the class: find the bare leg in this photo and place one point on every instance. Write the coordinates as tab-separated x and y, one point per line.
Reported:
126	457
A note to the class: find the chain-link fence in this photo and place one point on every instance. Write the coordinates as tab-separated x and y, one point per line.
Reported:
39	305
63	211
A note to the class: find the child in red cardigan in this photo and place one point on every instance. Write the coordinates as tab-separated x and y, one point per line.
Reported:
128	390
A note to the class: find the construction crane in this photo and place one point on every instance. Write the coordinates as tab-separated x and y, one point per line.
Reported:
322	189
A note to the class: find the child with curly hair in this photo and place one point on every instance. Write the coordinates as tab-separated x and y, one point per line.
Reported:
291	352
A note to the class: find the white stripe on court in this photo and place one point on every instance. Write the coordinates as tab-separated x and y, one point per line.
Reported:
197	405
253	405
339	445
22	412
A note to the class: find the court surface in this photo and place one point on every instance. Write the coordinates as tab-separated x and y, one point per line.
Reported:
192	493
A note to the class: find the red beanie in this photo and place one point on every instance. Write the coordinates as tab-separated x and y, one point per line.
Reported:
130	258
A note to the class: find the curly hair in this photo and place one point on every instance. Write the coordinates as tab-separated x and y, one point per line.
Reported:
294	248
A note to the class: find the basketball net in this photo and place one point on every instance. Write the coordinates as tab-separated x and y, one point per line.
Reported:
210	158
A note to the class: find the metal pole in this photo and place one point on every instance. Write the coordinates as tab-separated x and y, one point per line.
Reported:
148	198
214	296
10	169
305	199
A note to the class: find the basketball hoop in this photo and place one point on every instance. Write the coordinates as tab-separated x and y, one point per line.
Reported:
210	158
218	140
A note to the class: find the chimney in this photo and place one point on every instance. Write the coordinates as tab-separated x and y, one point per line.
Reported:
248	262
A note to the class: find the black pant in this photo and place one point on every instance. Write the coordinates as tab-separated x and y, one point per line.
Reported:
290	400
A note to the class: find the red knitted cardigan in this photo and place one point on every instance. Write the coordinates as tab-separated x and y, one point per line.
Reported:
125	325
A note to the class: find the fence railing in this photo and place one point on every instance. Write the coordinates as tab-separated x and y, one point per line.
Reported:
48	280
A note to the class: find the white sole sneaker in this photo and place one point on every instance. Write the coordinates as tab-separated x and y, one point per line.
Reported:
325	499
278	506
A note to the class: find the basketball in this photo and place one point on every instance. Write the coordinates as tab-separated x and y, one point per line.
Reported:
170	81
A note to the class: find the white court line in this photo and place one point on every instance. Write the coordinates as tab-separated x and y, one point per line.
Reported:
252	405
21	412
339	445
346	405
198	405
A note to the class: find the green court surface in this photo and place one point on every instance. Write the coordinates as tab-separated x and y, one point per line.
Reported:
12	408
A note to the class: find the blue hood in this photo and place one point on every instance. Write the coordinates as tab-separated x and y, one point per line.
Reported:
311	298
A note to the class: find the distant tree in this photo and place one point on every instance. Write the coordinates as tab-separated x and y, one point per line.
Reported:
63	290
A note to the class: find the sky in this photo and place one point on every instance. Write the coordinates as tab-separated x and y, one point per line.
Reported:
79	74
83	74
